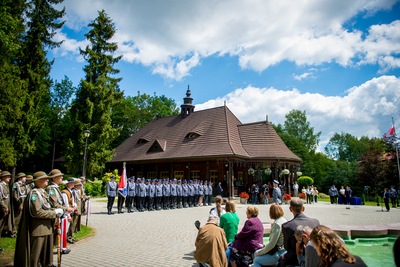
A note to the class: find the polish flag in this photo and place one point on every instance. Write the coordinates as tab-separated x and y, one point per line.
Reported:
122	184
390	132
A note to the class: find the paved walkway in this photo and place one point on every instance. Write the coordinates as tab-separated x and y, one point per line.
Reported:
166	238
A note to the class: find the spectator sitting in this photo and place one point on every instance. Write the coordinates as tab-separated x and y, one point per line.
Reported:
248	240
229	221
304	246
218	210
288	228
268	254
211	244
332	251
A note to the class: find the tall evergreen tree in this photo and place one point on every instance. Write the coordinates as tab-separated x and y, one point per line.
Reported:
97	94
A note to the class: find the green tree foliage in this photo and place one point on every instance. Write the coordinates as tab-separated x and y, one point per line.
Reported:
97	94
304	181
344	146
134	112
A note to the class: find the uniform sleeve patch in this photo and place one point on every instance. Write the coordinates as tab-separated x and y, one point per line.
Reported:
15	186
51	192
33	197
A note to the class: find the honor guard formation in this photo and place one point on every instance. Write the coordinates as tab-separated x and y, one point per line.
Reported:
147	194
40	216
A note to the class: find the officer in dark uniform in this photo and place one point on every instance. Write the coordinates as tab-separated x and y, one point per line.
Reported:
179	194
111	193
166	194
131	193
185	194
173	194
386	199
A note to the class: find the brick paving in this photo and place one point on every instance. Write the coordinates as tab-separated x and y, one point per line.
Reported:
166	238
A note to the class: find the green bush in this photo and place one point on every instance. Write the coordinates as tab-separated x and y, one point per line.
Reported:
94	188
304	181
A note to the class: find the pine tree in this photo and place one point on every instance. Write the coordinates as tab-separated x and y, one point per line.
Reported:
97	94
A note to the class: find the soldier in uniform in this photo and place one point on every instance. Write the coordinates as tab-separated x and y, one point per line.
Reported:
141	194
69	201
173	194
56	200
111	194
35	238
179	194
201	193
185	194
5	212
151	190
166	194
205	188
84	198
137	194
131	193
210	192
191	193
158	194
29	184
196	193
76	193
19	195
147	199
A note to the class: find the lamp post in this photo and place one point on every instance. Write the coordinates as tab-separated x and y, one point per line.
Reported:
86	133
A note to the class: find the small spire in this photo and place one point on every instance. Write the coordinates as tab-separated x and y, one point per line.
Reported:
266	117
225	103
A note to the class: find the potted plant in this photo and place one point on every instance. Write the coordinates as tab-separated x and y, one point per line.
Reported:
251	171
287	198
267	171
244	197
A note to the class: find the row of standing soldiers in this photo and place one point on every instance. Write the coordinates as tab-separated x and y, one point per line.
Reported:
159	194
33	210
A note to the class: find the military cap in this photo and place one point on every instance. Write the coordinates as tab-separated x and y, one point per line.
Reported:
82	178
70	180
112	177
55	173
138	179
155	180
128	179
5	173
78	182
39	175
276	182
190	182
147	180
20	175
184	181
179	181
29	178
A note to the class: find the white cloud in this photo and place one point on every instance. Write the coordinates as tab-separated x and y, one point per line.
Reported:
172	37
303	76
363	110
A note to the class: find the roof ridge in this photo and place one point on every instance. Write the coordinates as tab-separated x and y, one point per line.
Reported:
227	131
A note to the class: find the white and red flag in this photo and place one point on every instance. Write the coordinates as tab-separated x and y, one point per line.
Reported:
390	132
122	184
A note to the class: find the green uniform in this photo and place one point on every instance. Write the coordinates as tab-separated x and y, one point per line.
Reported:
56	201
77	214
5	211
19	196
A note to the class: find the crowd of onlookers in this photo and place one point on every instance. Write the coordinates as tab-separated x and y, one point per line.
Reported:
301	241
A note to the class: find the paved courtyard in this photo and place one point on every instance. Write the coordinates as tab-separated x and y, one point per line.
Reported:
166	238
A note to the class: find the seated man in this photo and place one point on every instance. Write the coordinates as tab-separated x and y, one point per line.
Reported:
304	246
211	244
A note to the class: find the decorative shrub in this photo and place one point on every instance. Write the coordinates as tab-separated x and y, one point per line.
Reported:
303	196
244	195
304	181
94	188
322	195
287	197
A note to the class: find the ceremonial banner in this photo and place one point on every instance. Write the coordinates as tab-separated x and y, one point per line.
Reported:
63	240
122	184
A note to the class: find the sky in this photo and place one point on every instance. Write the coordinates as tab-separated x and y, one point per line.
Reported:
338	60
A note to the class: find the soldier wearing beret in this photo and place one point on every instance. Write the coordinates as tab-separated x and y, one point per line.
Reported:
5	205
111	194
131	193
35	239
158	194
185	194
19	196
179	194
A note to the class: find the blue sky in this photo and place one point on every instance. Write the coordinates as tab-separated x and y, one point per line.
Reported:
338	60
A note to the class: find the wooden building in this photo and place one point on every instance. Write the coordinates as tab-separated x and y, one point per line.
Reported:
211	145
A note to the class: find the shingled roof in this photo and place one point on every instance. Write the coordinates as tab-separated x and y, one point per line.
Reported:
213	132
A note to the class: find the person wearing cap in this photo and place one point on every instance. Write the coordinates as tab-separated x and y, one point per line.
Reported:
131	193
276	193
173	194
5	213
137	194
56	200
84	198
210	192
166	194
151	190
196	193
147	199
179	195
18	195
69	201
158	194
76	193
111	194
141	194
201	193
191	193
185	194
35	237
205	188
29	184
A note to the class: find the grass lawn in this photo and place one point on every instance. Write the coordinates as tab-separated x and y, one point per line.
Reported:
366	203
7	256
106	200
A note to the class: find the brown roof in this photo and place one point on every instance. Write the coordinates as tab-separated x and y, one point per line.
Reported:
220	134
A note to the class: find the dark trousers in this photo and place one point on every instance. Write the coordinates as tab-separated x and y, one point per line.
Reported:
393	200
150	202
110	203
41	250
205	200
343	198
209	200
335	199
141	203
196	200
190	201
172	201
348	202
165	202
184	201
178	202
157	203
137	202
386	200
309	199
120	202
128	203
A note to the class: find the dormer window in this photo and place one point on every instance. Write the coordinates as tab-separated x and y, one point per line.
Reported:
192	135
142	141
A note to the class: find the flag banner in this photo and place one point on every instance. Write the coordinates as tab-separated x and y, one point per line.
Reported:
63	240
390	132
122	184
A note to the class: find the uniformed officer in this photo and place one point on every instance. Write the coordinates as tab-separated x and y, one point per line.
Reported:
210	192
5	202
76	193
37	226
69	201
185	194
191	193
141	194
131	193
205	188
137	193
166	194
19	195
158	194
29	184
173	194
151	194
111	193
196	193
179	194
147	199
84	198
201	193
56	200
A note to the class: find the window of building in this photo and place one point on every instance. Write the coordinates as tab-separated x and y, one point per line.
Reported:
214	177
195	175
142	141
178	174
192	135
164	175
151	175
139	175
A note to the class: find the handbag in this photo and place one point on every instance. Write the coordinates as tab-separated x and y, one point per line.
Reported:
273	250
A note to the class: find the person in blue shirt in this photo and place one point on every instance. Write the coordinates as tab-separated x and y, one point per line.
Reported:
210	192
111	189
205	188
158	195
201	193
179	195
185	194
173	194
141	194
191	193
131	193
166	194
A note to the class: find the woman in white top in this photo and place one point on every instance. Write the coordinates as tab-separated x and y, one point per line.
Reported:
218	210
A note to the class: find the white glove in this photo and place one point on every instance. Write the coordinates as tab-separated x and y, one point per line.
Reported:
59	212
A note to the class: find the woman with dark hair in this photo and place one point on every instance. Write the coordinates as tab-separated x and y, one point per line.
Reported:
331	250
248	240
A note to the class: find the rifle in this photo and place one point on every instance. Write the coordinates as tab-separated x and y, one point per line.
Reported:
58	242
